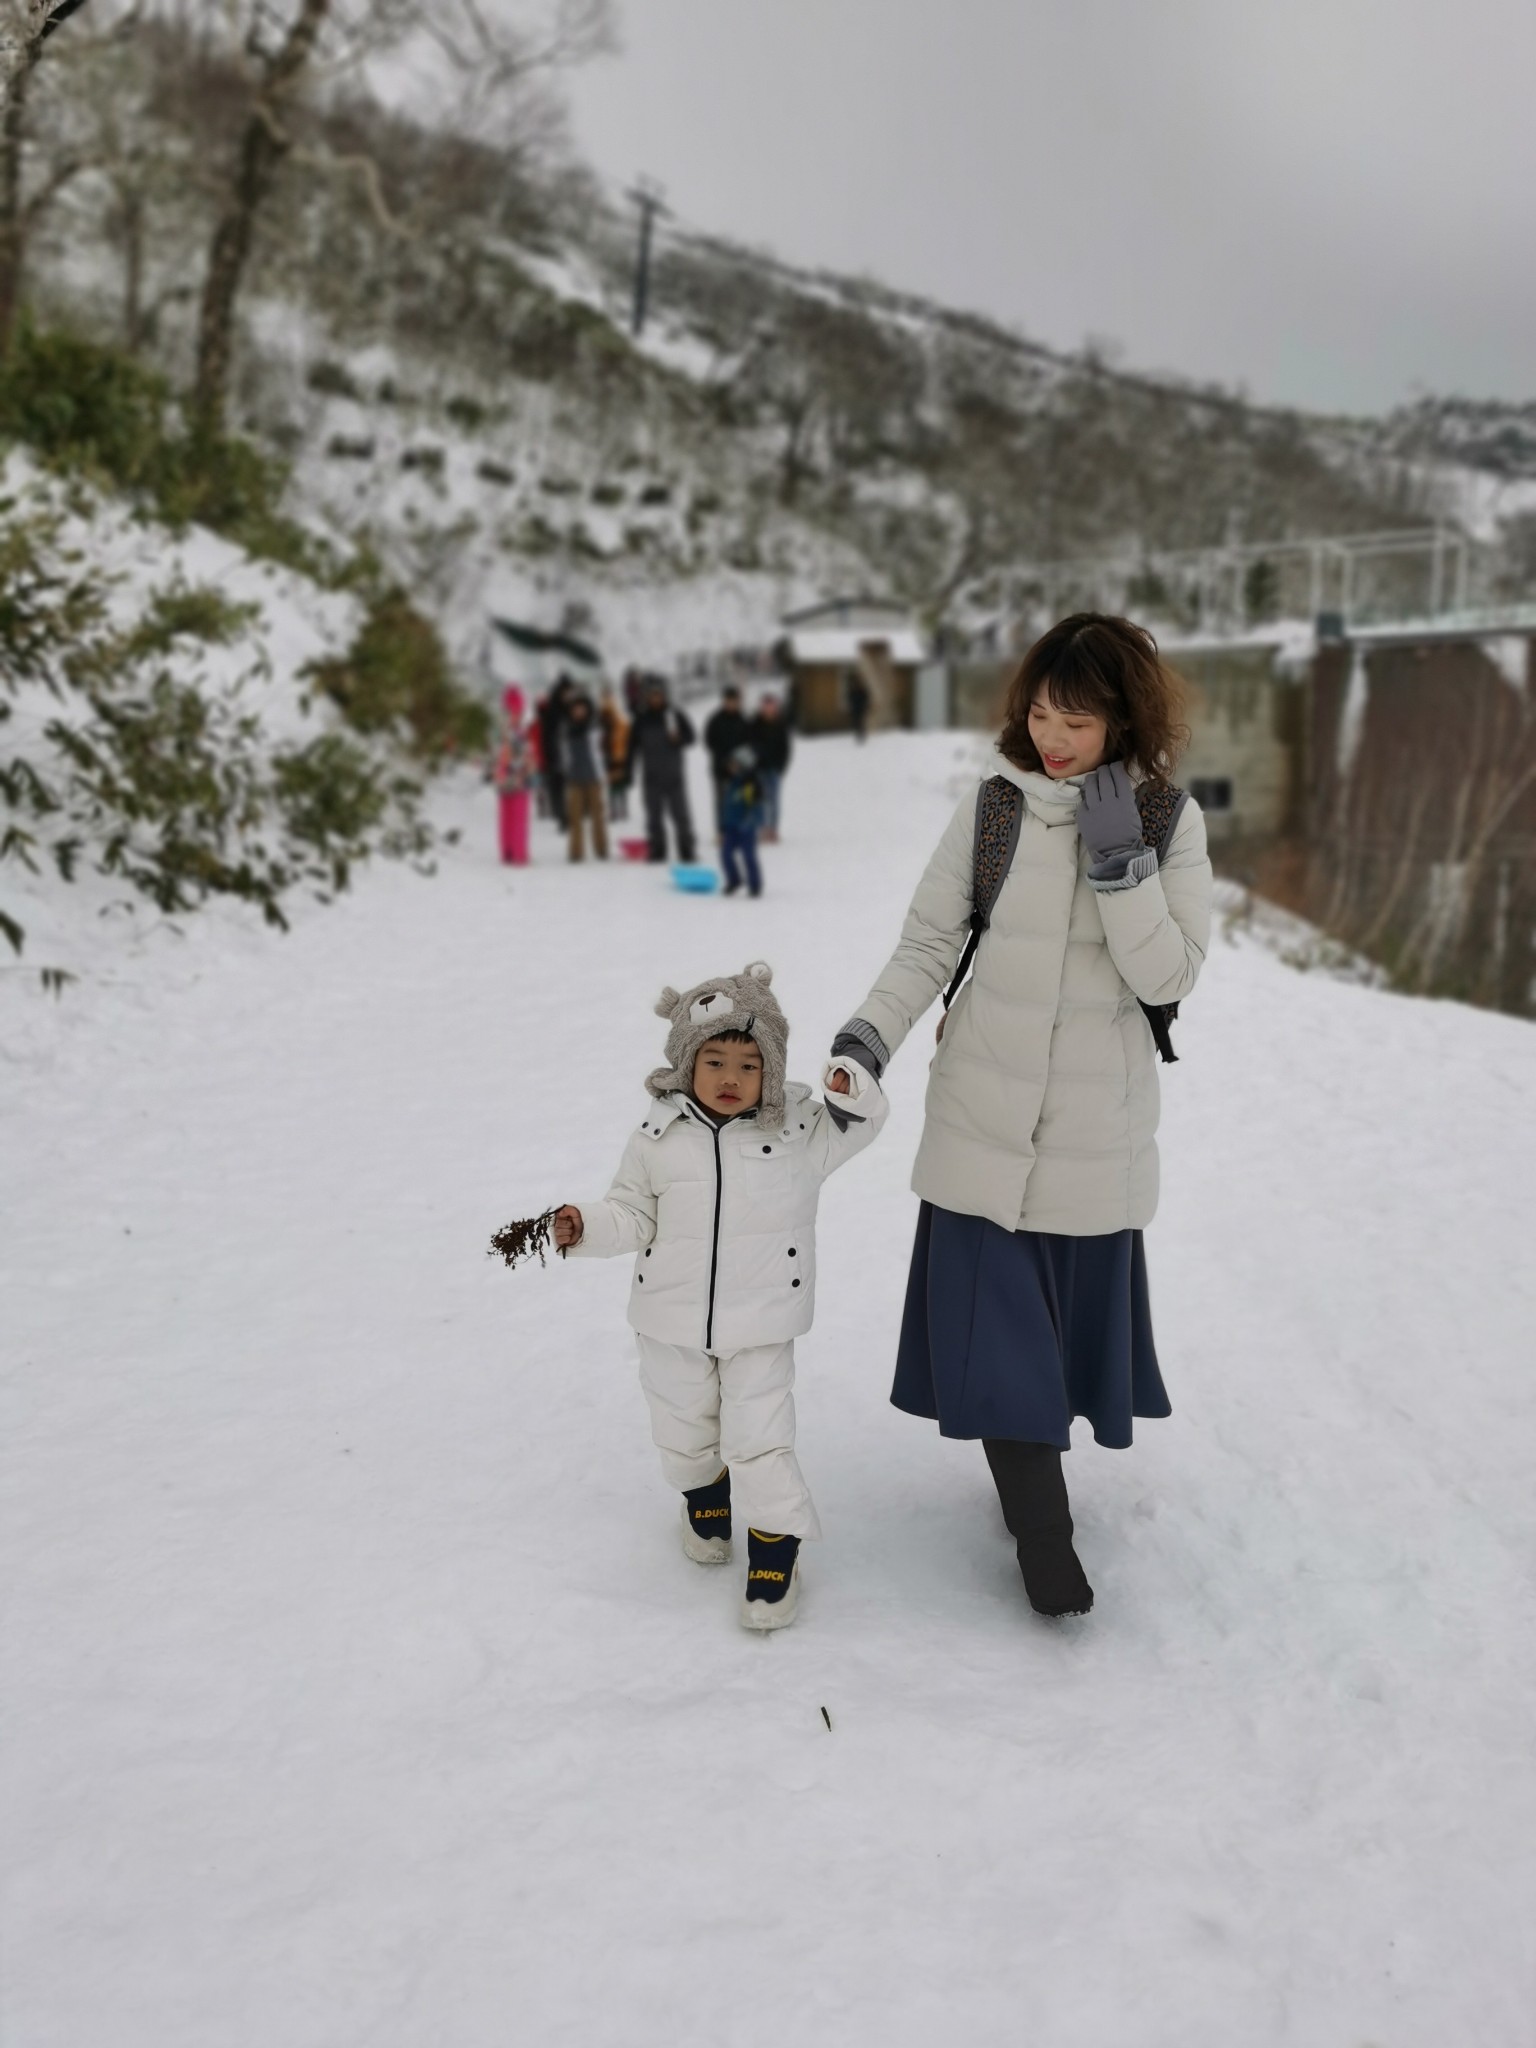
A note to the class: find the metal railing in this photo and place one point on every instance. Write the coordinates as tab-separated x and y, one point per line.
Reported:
1363	578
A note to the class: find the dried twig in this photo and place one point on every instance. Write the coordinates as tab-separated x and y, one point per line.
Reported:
521	1240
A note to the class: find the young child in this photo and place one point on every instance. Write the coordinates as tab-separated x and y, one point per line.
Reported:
716	1196
741	814
514	774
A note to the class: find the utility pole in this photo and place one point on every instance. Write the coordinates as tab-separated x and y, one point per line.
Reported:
646	194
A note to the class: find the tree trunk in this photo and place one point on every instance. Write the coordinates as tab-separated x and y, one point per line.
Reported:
13	223
20	49
262	148
130	228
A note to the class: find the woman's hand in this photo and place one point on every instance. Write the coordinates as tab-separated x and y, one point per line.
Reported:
568	1227
1107	818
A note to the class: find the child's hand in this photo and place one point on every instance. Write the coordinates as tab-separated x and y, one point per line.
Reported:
568	1227
837	1080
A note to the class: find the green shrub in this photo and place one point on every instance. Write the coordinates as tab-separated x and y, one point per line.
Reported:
190	611
396	678
467	413
93	410
85	407
536	536
144	768
332	379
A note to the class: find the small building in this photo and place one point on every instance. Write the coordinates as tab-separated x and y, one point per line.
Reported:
826	646
1246	713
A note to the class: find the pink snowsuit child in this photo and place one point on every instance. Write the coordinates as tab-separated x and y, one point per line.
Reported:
514	777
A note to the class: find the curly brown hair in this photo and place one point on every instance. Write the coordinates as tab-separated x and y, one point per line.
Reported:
1110	669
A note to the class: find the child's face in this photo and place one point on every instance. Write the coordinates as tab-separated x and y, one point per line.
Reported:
728	1076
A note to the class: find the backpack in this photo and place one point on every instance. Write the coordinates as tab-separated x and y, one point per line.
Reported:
999	815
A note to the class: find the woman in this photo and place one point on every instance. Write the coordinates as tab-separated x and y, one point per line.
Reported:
1027	1300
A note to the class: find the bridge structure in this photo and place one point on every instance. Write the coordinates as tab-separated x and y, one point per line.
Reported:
1344	583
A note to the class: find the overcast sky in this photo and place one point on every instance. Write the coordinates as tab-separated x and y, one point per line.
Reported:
1328	202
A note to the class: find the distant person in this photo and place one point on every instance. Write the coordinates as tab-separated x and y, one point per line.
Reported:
1027	1302
533	732
514	775
741	816
857	691
772	744
586	780
716	1309
658	741
615	727
552	716
726	730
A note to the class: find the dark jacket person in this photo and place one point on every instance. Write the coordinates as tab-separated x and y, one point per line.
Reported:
657	742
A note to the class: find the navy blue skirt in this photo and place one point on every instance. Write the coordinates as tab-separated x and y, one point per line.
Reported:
1010	1333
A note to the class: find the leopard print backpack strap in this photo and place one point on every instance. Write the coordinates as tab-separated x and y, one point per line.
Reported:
999	815
1161	806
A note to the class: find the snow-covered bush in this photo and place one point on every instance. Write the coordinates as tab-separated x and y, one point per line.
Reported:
94	411
137	750
396	679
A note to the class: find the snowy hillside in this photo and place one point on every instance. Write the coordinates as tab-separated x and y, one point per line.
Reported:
437	338
359	1691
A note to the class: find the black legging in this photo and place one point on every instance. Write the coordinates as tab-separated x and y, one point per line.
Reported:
664	797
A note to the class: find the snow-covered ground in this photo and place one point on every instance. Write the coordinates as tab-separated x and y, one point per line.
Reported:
359	1693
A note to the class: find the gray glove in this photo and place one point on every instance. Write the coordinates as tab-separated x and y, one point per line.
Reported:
1107	818
859	1040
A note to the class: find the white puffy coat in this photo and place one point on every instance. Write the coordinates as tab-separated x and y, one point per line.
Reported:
723	1217
1042	1101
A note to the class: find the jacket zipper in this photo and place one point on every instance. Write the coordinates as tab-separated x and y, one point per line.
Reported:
714	1250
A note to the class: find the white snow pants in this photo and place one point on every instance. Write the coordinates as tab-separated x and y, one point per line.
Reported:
736	1410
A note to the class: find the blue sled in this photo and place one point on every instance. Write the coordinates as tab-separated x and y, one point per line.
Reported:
697	881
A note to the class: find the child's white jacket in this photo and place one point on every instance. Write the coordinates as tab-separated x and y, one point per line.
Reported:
722	1218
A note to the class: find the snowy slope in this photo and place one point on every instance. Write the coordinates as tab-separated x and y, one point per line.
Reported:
359	1690
94	926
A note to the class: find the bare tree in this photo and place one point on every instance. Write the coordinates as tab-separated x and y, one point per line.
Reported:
313	42
25	26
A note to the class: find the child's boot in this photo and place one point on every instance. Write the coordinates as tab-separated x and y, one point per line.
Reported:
773	1580
707	1521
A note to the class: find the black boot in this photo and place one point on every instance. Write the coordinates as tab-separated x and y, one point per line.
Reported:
1033	1493
707	1521
773	1580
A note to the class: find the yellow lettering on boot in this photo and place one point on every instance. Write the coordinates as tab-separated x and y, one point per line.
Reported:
777	1577
709	1514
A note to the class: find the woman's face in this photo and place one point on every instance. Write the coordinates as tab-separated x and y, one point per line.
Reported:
1068	742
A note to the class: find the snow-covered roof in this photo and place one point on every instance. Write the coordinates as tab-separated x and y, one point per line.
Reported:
903	645
869	612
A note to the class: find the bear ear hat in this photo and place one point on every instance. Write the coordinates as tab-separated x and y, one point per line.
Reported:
759	971
667	1002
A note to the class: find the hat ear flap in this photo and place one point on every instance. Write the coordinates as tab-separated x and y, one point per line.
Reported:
667	1002
760	971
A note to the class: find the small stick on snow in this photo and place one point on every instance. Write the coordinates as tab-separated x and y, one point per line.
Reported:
828	1719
